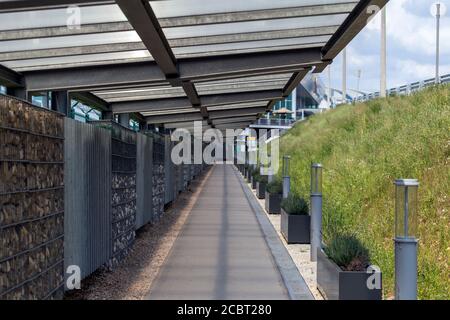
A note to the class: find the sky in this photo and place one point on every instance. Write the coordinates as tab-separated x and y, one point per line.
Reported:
411	48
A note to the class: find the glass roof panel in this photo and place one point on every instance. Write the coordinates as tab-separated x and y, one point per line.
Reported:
251	46
239	106
69	41
254	26
167	112
141	94
61	17
234	120
247	79
241	86
182	8
80	60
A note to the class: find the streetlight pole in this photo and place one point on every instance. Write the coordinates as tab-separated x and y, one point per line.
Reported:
316	209
344	75
383	59
329	85
438	19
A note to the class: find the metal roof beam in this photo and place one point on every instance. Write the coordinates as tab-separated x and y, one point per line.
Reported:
294	81
197	116
240	112
96	77
141	73
10	78
150	105
23	5
354	23
240	97
180	103
249	64
186	125
233	125
91	100
142	18
234	120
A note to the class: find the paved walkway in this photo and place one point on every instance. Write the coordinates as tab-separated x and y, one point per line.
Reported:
221	253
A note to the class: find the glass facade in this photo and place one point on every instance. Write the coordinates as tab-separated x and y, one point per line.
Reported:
284	104
83	113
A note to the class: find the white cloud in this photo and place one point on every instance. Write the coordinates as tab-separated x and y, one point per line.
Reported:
411	47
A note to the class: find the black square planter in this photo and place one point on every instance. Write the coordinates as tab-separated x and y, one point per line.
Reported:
260	190
253	182
248	176
273	202
295	228
336	284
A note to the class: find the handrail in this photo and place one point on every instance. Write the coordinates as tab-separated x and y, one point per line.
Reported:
404	89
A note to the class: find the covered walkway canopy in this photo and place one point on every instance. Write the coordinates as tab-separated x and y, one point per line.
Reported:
175	61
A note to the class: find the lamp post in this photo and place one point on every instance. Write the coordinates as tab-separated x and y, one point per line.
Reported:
383	85
405	239
329	86
286	177
270	175
316	209
344	75
438	9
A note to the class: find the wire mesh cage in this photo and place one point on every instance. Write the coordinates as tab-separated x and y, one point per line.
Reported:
32	201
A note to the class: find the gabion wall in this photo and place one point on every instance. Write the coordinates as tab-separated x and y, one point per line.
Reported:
158	176
123	192
31	201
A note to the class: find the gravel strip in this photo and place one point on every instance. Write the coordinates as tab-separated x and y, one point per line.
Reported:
133	278
300	253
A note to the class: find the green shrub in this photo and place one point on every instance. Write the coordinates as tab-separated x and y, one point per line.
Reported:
348	253
295	205
261	179
254	171
274	187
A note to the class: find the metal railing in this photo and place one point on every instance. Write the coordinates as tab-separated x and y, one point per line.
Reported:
405	89
275	122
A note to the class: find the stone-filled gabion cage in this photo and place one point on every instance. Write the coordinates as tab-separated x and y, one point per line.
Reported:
158	175
31	201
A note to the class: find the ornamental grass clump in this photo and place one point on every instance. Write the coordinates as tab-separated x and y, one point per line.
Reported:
253	171
295	205
348	253
260	178
364	147
275	187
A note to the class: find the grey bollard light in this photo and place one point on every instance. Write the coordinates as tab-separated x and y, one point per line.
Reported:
316	209
286	177
270	175
405	239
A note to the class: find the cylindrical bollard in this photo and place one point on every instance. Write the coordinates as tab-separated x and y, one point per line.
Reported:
270	176
405	239
286	187
316	209
405	269
286	177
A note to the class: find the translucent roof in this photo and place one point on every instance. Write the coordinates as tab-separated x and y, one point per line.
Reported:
193	55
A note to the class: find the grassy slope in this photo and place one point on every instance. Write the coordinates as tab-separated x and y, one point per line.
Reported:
363	149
